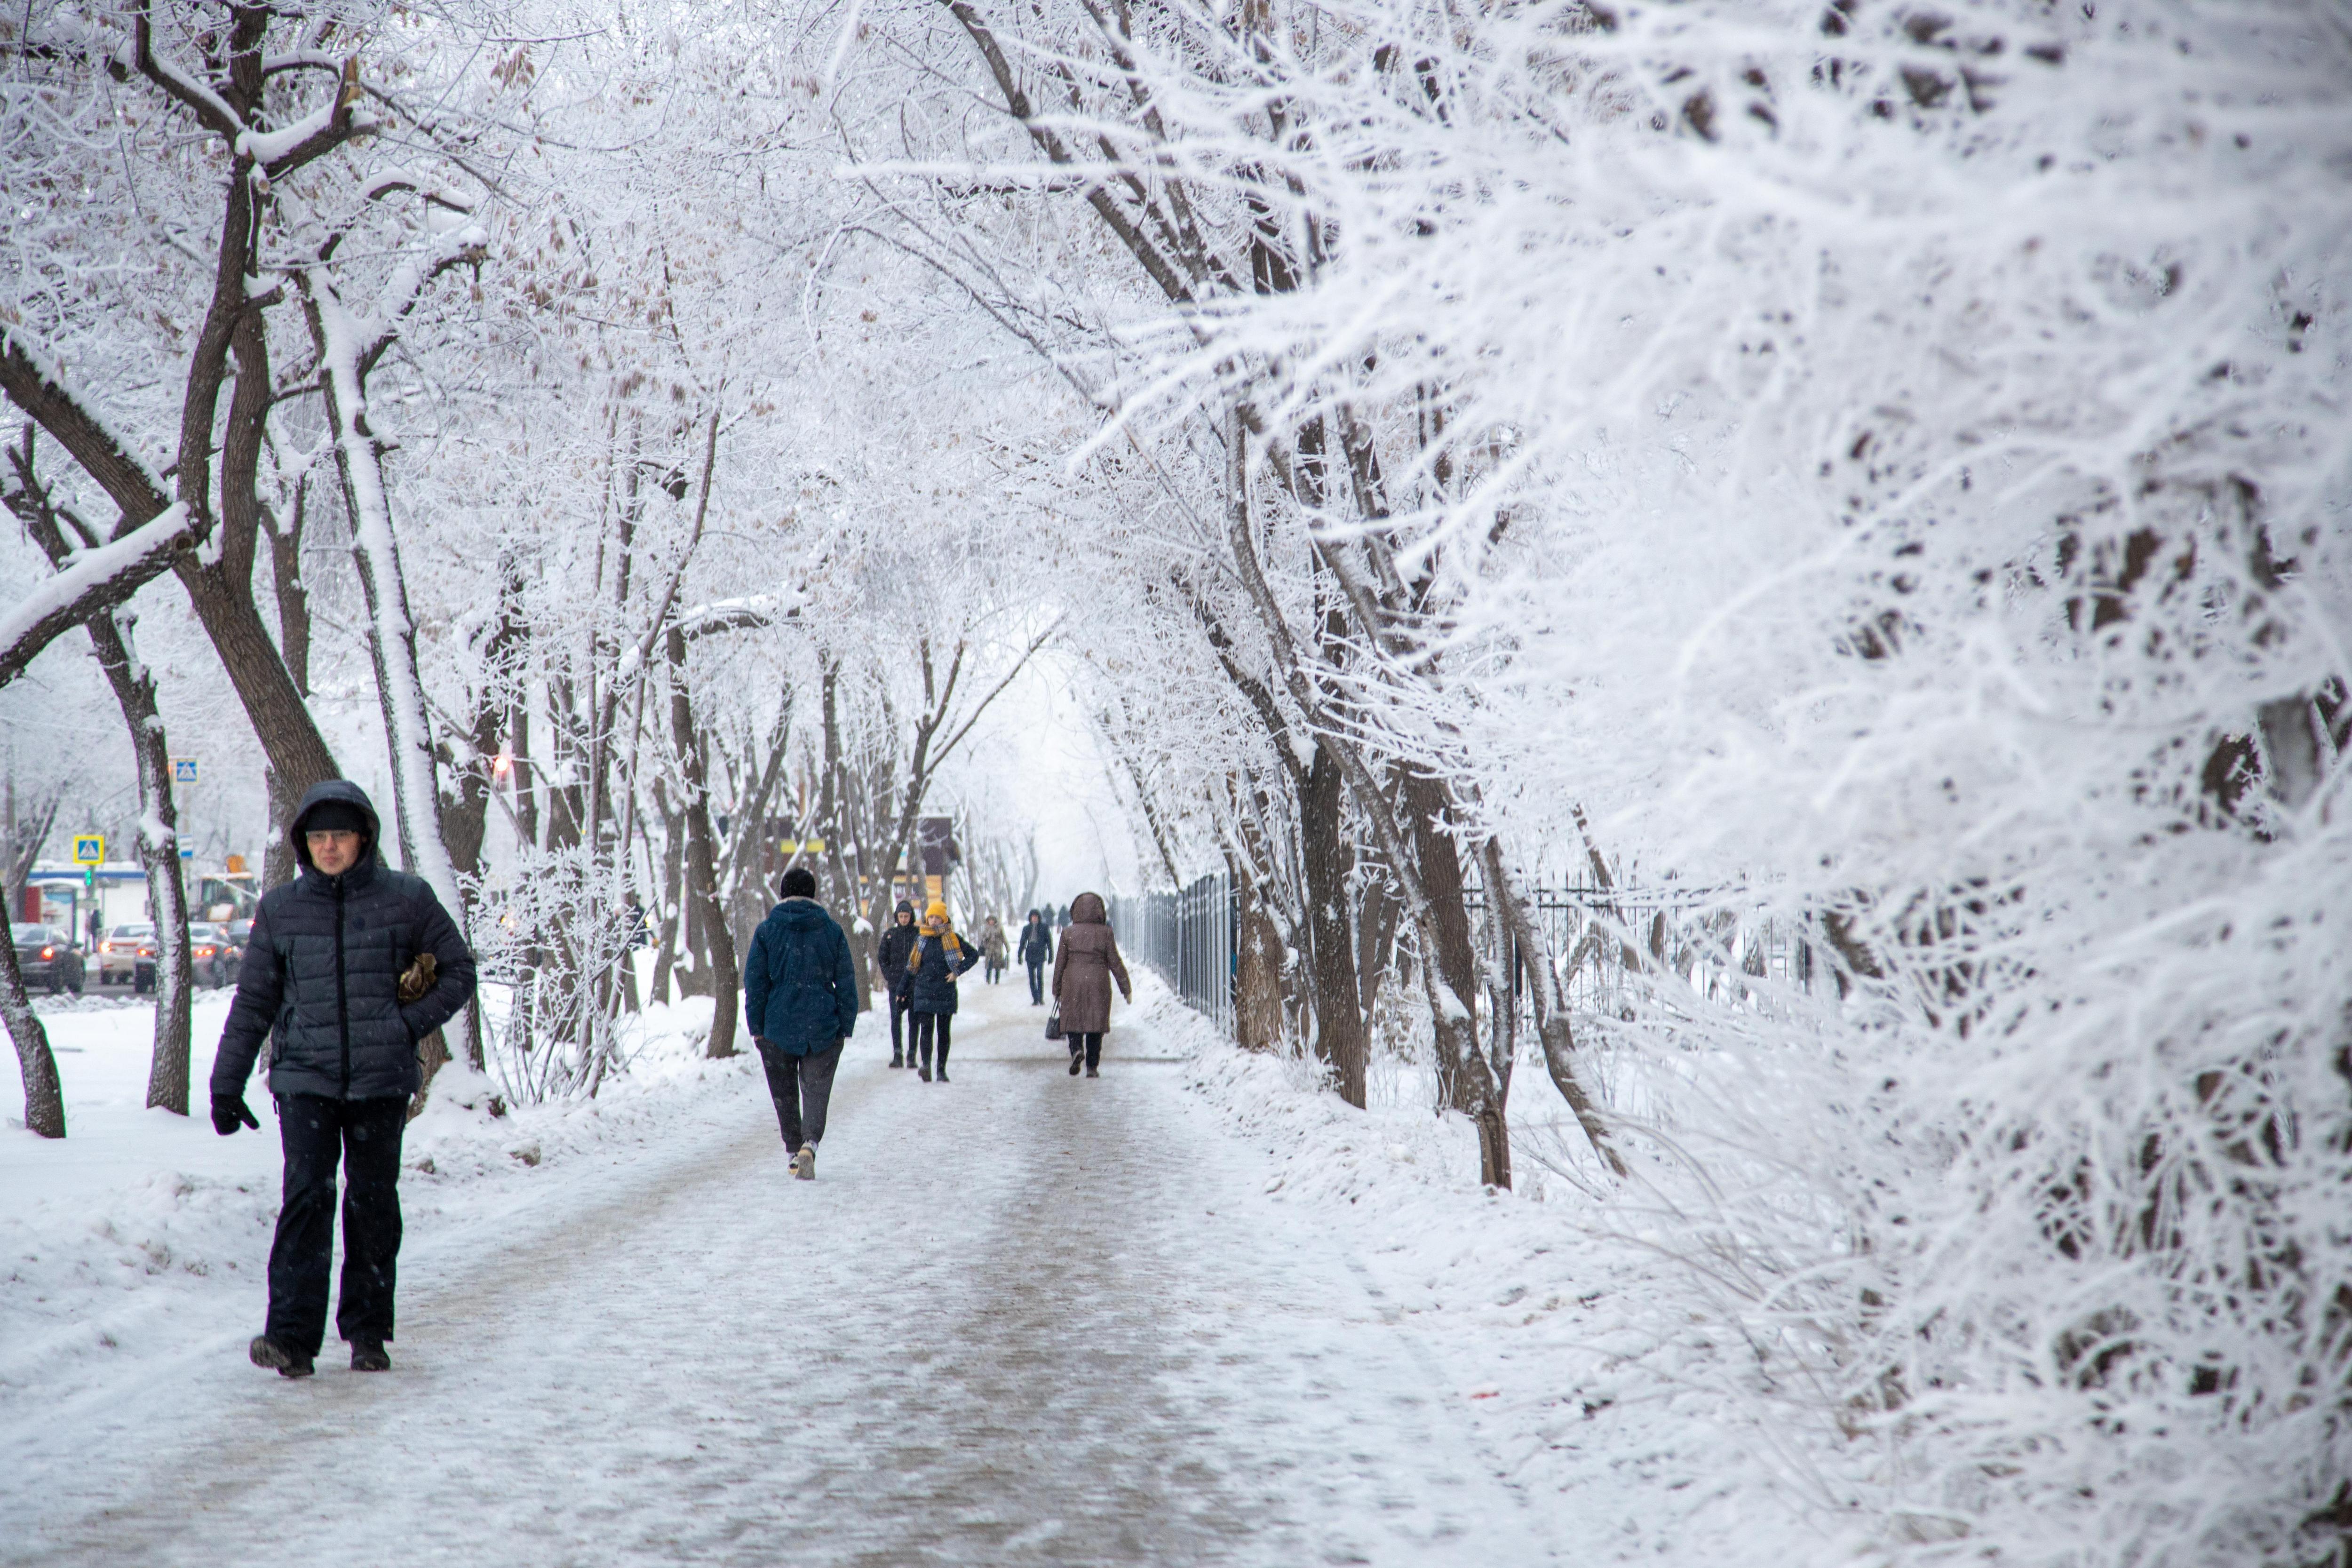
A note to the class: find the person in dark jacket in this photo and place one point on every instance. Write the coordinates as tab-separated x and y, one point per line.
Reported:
800	998
891	960
348	966
1035	952
1083	972
938	958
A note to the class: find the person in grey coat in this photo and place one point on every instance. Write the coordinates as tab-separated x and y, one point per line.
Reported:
800	998
347	968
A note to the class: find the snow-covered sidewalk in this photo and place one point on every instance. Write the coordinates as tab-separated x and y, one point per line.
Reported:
1020	1318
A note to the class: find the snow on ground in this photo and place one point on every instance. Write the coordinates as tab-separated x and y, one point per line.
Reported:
139	1226
1019	1318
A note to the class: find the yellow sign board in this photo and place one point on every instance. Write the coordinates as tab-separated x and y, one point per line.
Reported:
90	849
802	846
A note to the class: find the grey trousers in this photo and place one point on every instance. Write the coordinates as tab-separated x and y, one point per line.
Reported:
802	1088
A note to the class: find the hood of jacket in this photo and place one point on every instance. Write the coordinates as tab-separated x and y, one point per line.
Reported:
904	909
800	914
345	793
1086	909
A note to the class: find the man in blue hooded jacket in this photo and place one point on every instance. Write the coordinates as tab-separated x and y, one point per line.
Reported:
800	998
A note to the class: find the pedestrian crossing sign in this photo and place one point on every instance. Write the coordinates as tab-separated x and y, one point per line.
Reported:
184	770
89	848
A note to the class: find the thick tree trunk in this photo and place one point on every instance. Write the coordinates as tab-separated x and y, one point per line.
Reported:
45	1101
1258	980
1427	808
1328	858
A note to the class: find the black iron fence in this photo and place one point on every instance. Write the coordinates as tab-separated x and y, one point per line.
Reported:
1187	937
1612	945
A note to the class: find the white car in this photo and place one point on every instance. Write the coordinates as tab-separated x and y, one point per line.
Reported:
126	956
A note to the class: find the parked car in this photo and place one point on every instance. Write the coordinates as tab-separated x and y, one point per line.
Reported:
126	955
48	956
211	954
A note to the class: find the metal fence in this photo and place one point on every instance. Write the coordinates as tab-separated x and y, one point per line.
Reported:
1614	943
1187	937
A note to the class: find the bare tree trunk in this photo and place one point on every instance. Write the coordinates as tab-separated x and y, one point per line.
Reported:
701	863
832	808
1327	859
1427	809
1257	983
1550	1008
158	837
45	1100
673	875
277	865
392	633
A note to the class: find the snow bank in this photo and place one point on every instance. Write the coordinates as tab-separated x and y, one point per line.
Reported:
1573	1349
146	1235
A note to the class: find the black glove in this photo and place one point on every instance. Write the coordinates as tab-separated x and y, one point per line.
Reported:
228	1110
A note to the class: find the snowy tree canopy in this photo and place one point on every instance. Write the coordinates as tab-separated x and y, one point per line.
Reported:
1781	566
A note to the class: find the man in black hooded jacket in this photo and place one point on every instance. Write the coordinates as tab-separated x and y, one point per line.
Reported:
891	960
324	982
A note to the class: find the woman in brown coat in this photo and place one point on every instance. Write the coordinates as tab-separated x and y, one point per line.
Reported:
1084	967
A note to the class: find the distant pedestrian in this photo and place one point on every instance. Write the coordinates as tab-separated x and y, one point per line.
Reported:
1037	951
938	959
641	929
800	998
1083	971
1062	920
993	949
347	967
891	959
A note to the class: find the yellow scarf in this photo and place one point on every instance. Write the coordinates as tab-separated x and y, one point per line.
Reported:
952	949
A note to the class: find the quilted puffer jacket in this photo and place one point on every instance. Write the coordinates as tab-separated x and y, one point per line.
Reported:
322	971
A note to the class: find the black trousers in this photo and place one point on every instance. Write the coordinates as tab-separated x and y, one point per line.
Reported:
802	1088
1089	1047
898	1000
1037	981
363	1136
925	1025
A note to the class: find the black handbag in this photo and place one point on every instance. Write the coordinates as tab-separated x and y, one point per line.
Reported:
1054	1025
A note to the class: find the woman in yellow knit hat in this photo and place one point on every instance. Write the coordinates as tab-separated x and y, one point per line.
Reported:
933	965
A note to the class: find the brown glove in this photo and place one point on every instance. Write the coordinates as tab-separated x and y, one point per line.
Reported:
417	979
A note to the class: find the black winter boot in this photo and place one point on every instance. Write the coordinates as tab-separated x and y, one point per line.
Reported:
1077	1060
284	1360
368	1356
